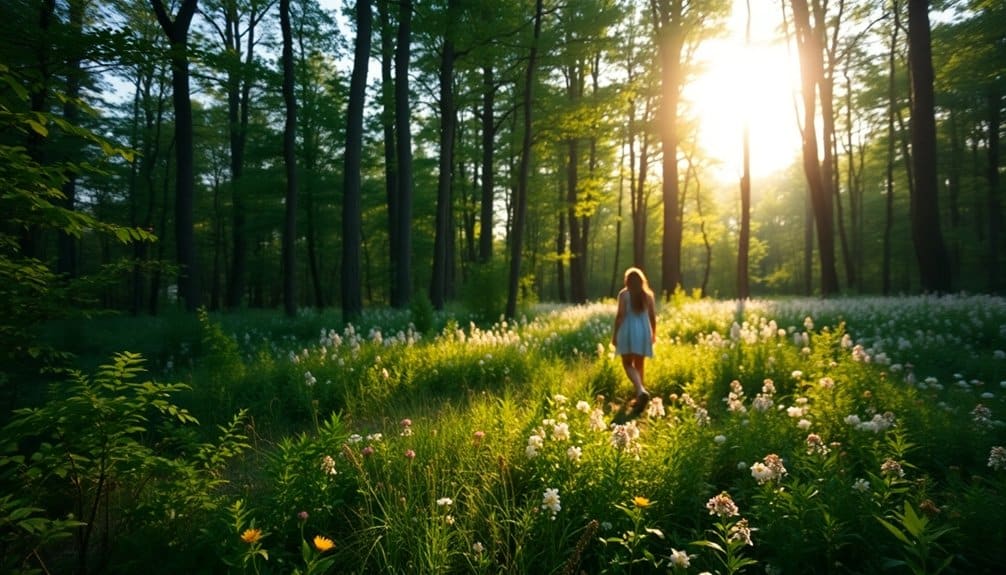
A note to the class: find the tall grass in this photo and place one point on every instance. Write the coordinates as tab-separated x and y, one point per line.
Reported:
856	435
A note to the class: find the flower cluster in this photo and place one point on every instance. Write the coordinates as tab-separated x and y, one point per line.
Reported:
879	422
722	506
770	468
997	458
891	468
625	437
550	501
735	399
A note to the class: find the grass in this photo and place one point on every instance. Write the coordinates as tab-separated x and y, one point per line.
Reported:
851	435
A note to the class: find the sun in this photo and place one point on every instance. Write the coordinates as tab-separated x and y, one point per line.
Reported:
755	83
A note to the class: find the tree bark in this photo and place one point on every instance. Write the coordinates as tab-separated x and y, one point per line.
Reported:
352	300
930	252
524	171
185	239
448	121
290	162
402	274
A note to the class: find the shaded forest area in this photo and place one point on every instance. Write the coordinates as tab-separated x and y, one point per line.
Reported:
255	153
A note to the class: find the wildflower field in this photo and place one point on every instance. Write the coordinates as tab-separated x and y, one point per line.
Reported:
791	436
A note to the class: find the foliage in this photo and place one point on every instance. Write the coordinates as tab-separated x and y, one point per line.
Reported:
102	460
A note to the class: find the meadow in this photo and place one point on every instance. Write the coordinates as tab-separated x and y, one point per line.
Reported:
860	435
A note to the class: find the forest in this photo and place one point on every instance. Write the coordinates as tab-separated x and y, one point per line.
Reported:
307	287
303	155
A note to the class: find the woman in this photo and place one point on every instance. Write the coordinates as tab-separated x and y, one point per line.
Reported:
635	330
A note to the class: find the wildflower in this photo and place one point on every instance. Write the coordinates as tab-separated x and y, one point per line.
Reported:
741	532
720	439
251	536
861	485
410	454
449	519
375	437
367	451
892	468
655	408
929	507
582	406
826	382
640	502
701	416
816	445
478	437
625	436
302	516
597	420
559	398
722	506
981	415
406	425
679	558
323	544
355	438
574	453
478	548
742	465
760	472
309	380
997	458
445	502
804	424
560	431
534	443
328	465
550	501
797	374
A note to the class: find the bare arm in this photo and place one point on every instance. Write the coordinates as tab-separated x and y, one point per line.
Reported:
619	316
652	312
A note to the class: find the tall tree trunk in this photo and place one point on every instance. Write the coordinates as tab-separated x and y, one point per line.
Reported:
670	38
185	238
448	120
402	282
993	203
290	161
488	181
561	256
818	178
520	209
239	84
352	300
640	215
390	141
930	252
744	237
66	261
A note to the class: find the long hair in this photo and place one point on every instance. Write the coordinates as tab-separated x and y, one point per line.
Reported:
637	284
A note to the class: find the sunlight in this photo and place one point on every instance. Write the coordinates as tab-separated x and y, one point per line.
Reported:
757	83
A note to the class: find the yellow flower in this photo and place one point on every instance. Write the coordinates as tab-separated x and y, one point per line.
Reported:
640	501
251	535
323	544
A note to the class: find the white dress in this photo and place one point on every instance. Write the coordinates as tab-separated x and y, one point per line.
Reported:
634	334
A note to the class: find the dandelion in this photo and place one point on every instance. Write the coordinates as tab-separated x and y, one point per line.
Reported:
722	505
251	536
550	501
997	458
679	558
323	544
641	502
445	502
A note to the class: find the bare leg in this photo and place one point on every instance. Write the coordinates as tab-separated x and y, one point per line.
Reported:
633	365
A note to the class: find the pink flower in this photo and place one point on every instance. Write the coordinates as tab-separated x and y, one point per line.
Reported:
367	451
410	454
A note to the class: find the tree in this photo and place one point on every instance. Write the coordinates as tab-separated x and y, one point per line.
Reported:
401	282
811	49
290	163
930	251
352	300
744	238
676	23
520	208
177	31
